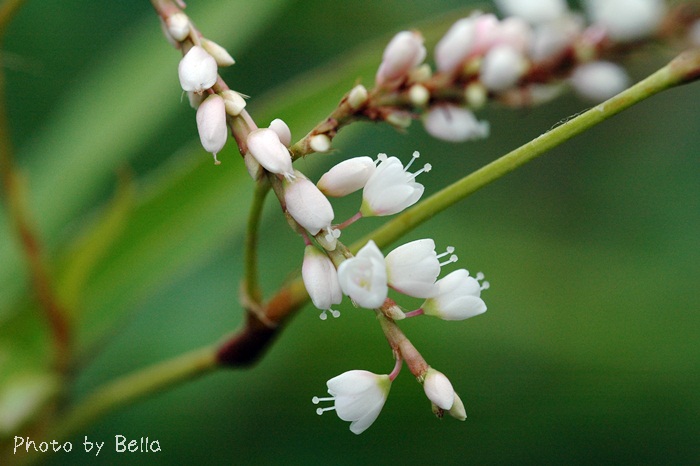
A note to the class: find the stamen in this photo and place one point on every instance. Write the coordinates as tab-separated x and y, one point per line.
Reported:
415	155
380	158
426	168
334	313
485	286
453	258
316	400
320	411
332	235
480	276
448	250
323	315
216	161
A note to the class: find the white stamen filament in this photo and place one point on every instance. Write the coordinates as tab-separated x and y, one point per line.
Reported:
415	155
453	258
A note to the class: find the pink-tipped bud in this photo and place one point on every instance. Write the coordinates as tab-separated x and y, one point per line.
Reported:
264	144
347	177
282	130
211	124
456	45
197	70
219	53
404	52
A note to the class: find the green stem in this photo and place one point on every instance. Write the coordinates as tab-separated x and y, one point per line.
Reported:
252	285
133	387
683	69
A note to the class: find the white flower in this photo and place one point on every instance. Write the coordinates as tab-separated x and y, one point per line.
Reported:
347	177
264	144
363	277
412	268
283	132
626	20
222	57
197	70
178	26
599	80
457	410
321	281
403	53
501	68
358	397
438	389
454	124
307	205
391	188
457	297
534	11
211	124
235	103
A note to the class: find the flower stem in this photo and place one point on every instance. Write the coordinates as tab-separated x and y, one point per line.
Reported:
683	69
251	284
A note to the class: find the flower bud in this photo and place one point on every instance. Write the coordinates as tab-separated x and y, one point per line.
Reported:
320	143
197	70
321	280
438	389
219	53
626	20
283	132
235	103
307	205
456	45
404	52
419	95
211	124
265	146
533	11
357	97
178	26
346	177
501	68
599	80
457	410
454	124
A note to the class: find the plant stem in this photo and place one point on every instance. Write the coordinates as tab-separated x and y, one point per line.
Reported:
251	284
683	69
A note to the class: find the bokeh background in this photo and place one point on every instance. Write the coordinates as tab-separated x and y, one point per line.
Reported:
589	351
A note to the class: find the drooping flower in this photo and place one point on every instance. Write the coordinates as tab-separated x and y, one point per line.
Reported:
211	124
347	177
457	297
197	70
454	124
358	397
321	281
438	389
391	188
363	277
264	144
403	53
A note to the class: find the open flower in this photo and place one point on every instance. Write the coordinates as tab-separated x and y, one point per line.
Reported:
358	397
391	188
457	297
363	277
412	268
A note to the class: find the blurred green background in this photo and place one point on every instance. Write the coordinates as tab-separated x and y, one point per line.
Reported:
589	352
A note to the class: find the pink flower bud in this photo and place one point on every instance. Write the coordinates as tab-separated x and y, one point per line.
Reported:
438	389
307	205
404	52
264	144
454	124
211	124
197	70
456	45
347	177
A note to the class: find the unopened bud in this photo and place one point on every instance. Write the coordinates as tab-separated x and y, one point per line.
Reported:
235	103
501	68
307	205
178	26
211	124
599	80
265	146
454	124
475	95
282	130
320	143
419	95
219	53
357	97
457	410
197	70
403	53
347	177
399	119
438	389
